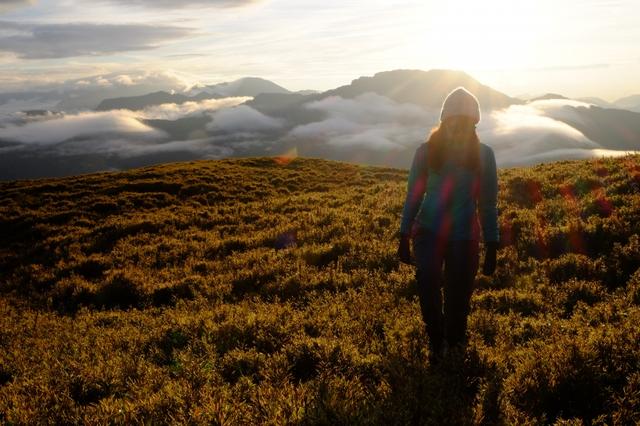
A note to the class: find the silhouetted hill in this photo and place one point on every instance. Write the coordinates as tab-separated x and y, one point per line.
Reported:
289	106
185	128
157	98
629	102
424	88
616	129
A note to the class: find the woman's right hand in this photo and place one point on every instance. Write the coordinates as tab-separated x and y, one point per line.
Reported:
404	249
489	266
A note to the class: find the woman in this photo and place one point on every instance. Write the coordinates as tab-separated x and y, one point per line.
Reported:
452	187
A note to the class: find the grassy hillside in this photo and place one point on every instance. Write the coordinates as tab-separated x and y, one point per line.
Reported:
252	291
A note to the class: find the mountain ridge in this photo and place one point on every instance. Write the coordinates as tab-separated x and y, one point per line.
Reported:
160	97
377	119
631	102
424	88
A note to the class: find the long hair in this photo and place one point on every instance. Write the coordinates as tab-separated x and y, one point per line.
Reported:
455	140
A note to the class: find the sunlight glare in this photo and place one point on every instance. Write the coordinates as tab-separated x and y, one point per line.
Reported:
492	34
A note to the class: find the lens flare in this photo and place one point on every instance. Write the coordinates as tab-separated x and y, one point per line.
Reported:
287	157
575	232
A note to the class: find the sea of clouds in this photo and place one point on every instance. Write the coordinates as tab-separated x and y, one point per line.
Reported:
520	134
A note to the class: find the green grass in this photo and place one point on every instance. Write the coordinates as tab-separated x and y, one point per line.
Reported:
247	291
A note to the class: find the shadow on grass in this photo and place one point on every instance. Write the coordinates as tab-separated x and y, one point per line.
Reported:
416	393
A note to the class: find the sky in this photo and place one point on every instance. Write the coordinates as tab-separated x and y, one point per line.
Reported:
576	48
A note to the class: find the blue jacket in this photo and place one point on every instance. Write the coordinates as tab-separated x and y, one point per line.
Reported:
449	202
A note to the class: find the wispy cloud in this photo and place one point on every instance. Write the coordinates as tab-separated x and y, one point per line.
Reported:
6	5
187	55
45	41
572	67
147	80
86	93
179	4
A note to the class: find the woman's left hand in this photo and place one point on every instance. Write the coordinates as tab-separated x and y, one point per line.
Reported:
404	249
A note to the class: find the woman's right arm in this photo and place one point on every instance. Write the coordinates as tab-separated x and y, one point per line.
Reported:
416	187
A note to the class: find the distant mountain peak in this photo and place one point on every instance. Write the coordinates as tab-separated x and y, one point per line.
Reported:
548	96
246	86
424	88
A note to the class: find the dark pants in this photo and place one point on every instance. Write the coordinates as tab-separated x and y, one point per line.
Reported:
460	259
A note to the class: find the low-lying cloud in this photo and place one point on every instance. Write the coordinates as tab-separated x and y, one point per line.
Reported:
45	41
11	107
243	119
61	144
55	129
50	129
370	121
369	128
124	134
127	147
533	133
520	134
569	154
177	111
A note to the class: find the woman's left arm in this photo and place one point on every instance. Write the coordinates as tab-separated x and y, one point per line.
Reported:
487	205
488	200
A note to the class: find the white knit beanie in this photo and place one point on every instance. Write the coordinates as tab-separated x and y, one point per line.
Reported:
460	102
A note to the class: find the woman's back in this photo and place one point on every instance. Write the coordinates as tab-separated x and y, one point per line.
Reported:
452	197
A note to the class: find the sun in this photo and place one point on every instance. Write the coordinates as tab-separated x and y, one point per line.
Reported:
473	35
